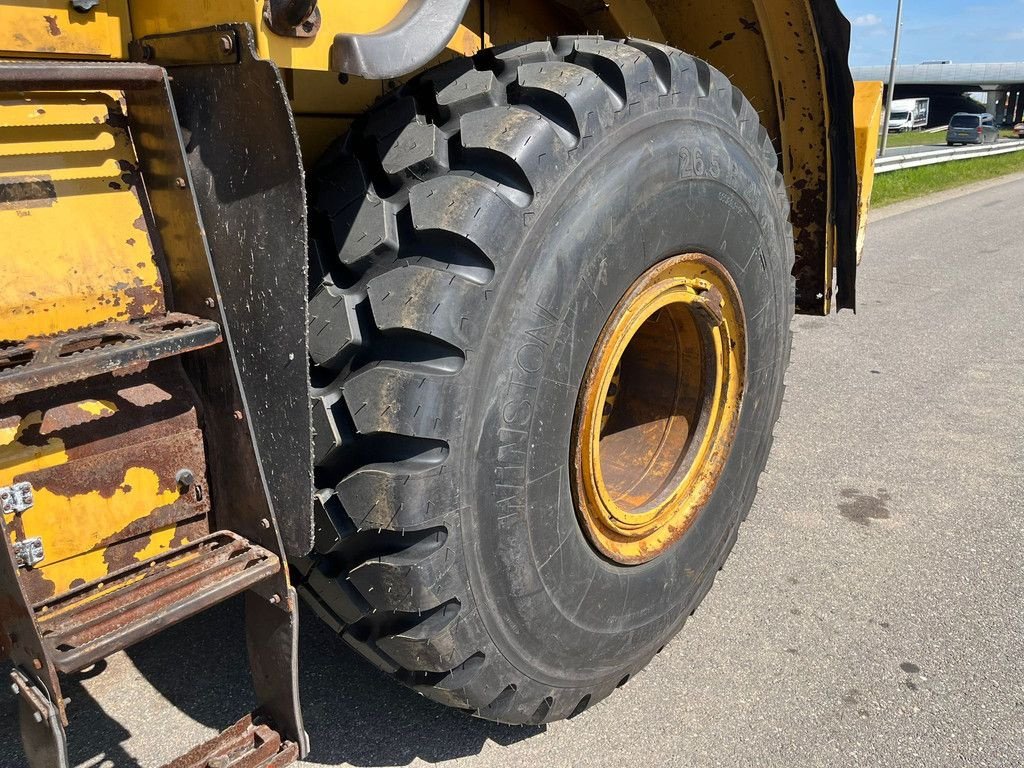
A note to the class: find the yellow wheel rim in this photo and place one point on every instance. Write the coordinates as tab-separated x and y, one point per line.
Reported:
658	408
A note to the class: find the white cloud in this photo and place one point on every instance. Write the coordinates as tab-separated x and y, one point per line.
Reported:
867	20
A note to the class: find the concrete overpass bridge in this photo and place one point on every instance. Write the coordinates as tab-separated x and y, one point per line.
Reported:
946	83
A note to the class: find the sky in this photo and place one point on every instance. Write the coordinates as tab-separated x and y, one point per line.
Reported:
964	31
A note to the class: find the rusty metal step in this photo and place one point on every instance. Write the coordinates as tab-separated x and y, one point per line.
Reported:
41	363
98	619
246	744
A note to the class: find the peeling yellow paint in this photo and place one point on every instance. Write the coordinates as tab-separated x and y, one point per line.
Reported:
101	408
75	529
84	254
159	542
74	571
97	519
8	435
17	459
54	28
91	566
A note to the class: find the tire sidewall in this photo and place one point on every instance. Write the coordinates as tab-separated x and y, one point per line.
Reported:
559	611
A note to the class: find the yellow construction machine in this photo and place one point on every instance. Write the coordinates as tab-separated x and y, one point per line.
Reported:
467	321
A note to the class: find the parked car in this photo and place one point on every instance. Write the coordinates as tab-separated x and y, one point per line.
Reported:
1019	130
967	128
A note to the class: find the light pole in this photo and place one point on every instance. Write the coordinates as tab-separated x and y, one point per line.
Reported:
892	76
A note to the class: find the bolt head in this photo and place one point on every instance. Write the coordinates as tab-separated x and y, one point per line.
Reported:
227	43
185	478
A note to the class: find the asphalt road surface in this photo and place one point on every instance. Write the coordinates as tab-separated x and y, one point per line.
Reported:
872	613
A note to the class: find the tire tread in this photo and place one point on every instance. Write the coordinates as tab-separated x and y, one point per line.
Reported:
412	203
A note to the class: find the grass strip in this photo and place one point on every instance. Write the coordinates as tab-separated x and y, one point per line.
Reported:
897	186
917	139
925	139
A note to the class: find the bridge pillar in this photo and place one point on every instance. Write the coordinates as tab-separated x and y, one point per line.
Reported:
997	104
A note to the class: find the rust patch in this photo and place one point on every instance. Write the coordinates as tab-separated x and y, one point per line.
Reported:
23	193
128	605
74	415
125	547
119	348
131	370
164	453
144	395
51	25
143	299
119	522
35	583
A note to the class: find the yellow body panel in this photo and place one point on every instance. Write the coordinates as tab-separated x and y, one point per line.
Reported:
83	255
52	28
157	17
867	123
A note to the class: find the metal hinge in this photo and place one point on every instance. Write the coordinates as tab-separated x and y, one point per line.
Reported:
29	553
15	499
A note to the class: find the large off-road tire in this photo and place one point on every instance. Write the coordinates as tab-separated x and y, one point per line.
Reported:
477	229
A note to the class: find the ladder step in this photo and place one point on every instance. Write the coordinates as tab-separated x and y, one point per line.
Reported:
41	363
246	744
98	619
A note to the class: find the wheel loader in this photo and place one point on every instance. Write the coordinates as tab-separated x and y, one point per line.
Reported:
466	322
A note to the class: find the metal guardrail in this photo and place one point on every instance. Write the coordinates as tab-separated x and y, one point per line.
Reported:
946	155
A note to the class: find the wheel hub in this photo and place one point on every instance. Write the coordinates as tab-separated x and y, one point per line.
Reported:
658	408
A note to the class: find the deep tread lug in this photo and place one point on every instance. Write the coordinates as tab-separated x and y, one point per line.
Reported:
333	326
432	645
408	581
412	298
419	151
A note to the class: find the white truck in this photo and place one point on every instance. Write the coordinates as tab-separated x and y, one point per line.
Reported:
908	115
